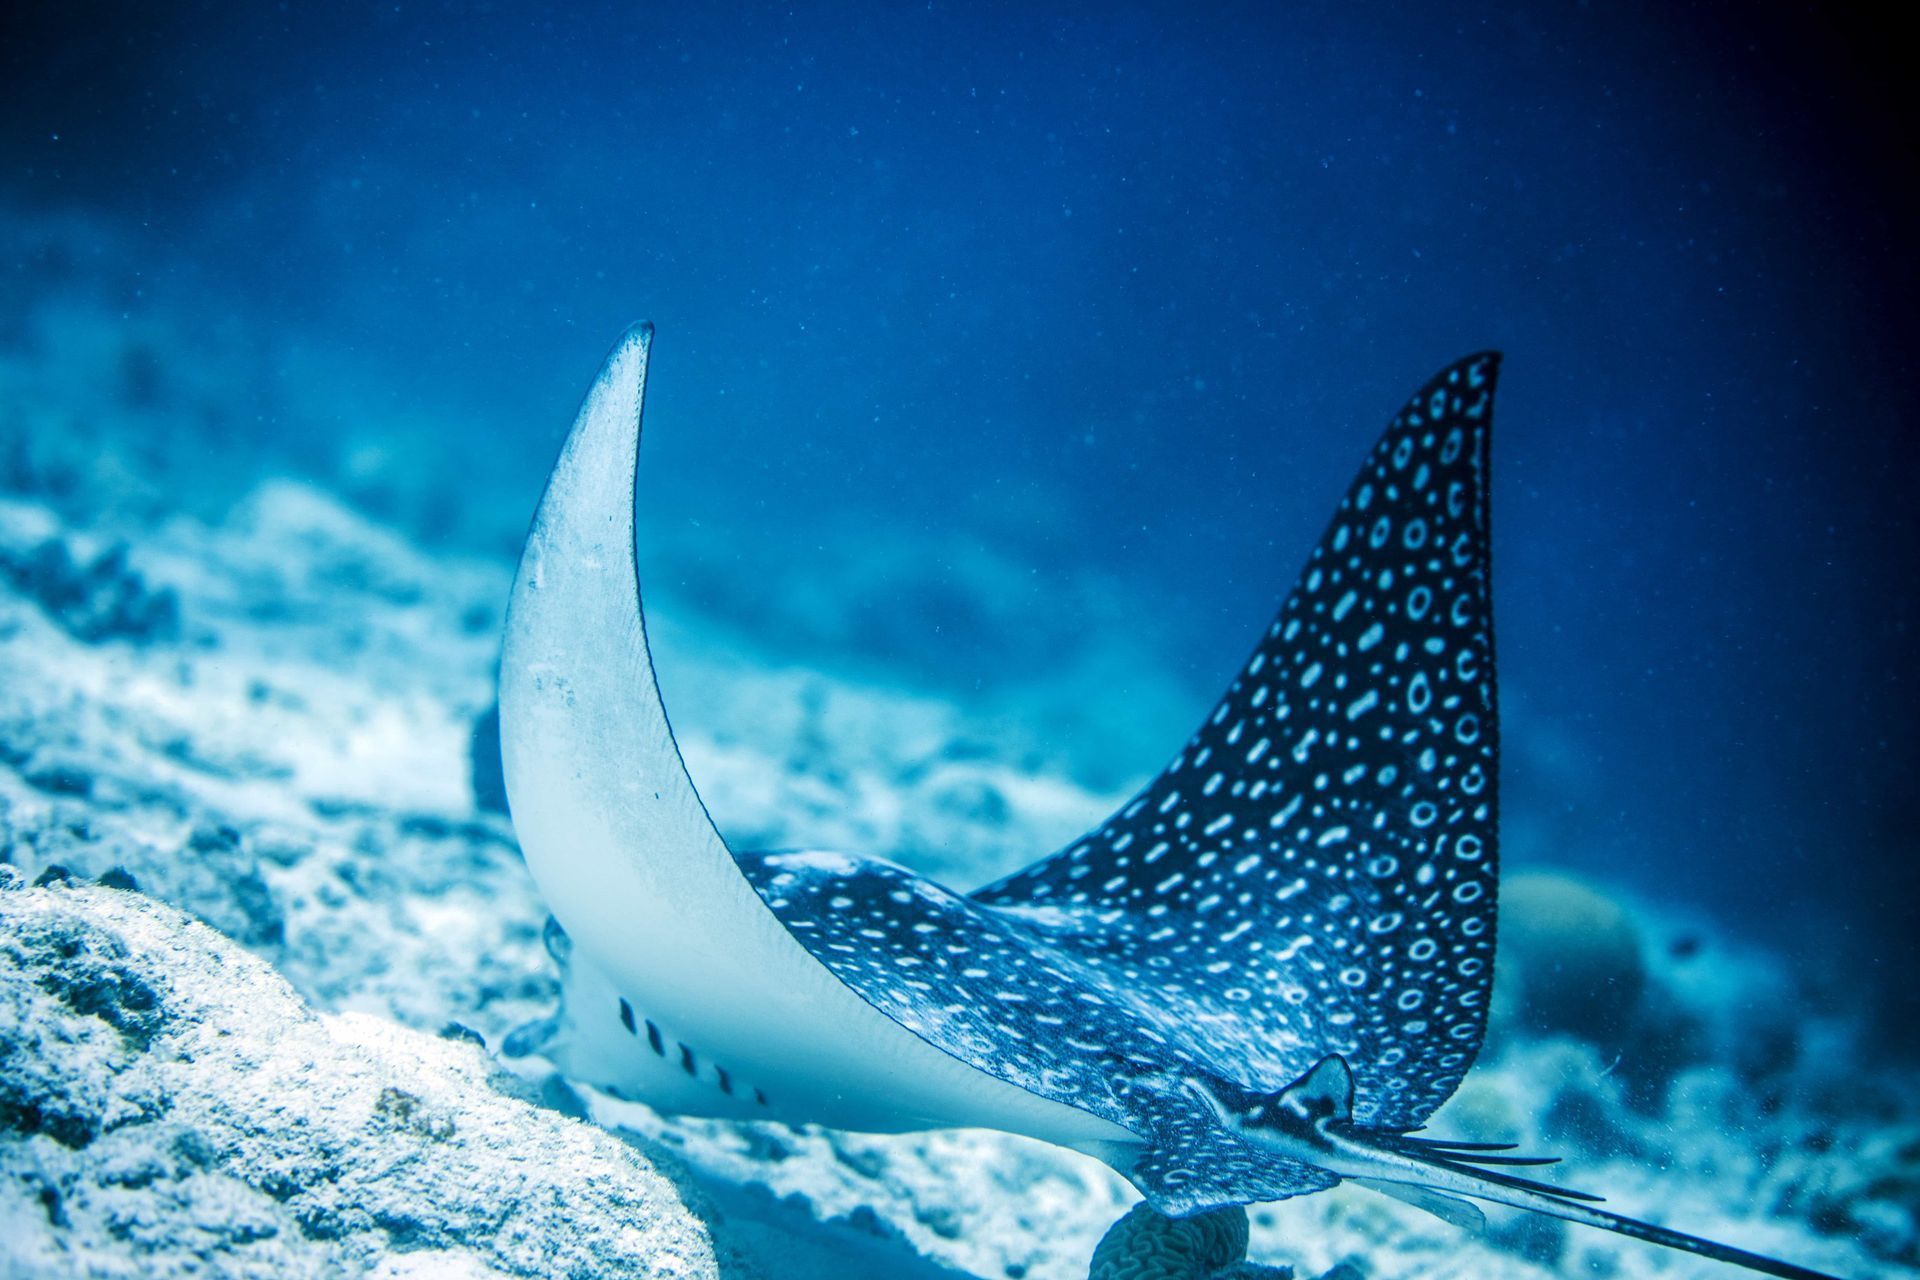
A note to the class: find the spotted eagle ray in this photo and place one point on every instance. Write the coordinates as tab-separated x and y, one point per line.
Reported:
1256	980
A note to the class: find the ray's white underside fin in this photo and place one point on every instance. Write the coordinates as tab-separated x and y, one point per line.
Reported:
629	861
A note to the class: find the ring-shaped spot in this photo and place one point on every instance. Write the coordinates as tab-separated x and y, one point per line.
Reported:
1419	693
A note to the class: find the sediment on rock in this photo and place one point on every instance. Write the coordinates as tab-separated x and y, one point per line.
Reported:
170	1107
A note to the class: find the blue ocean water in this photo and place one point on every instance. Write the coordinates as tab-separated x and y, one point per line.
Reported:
1008	361
1072	322
1017	354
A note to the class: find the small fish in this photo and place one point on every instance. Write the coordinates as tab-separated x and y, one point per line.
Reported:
1256	980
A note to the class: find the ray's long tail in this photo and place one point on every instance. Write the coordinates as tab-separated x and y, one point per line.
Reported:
1479	1170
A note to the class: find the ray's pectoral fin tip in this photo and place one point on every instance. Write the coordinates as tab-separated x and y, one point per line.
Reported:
1194	1019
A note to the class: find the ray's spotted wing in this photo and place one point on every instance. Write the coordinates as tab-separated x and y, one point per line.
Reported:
1315	872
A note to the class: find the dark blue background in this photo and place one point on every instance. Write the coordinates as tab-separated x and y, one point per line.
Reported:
1122	296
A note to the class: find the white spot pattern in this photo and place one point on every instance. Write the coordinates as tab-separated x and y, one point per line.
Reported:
1327	887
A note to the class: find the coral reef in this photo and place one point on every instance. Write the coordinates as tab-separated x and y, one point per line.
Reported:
96	598
170	1107
1574	955
1146	1245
